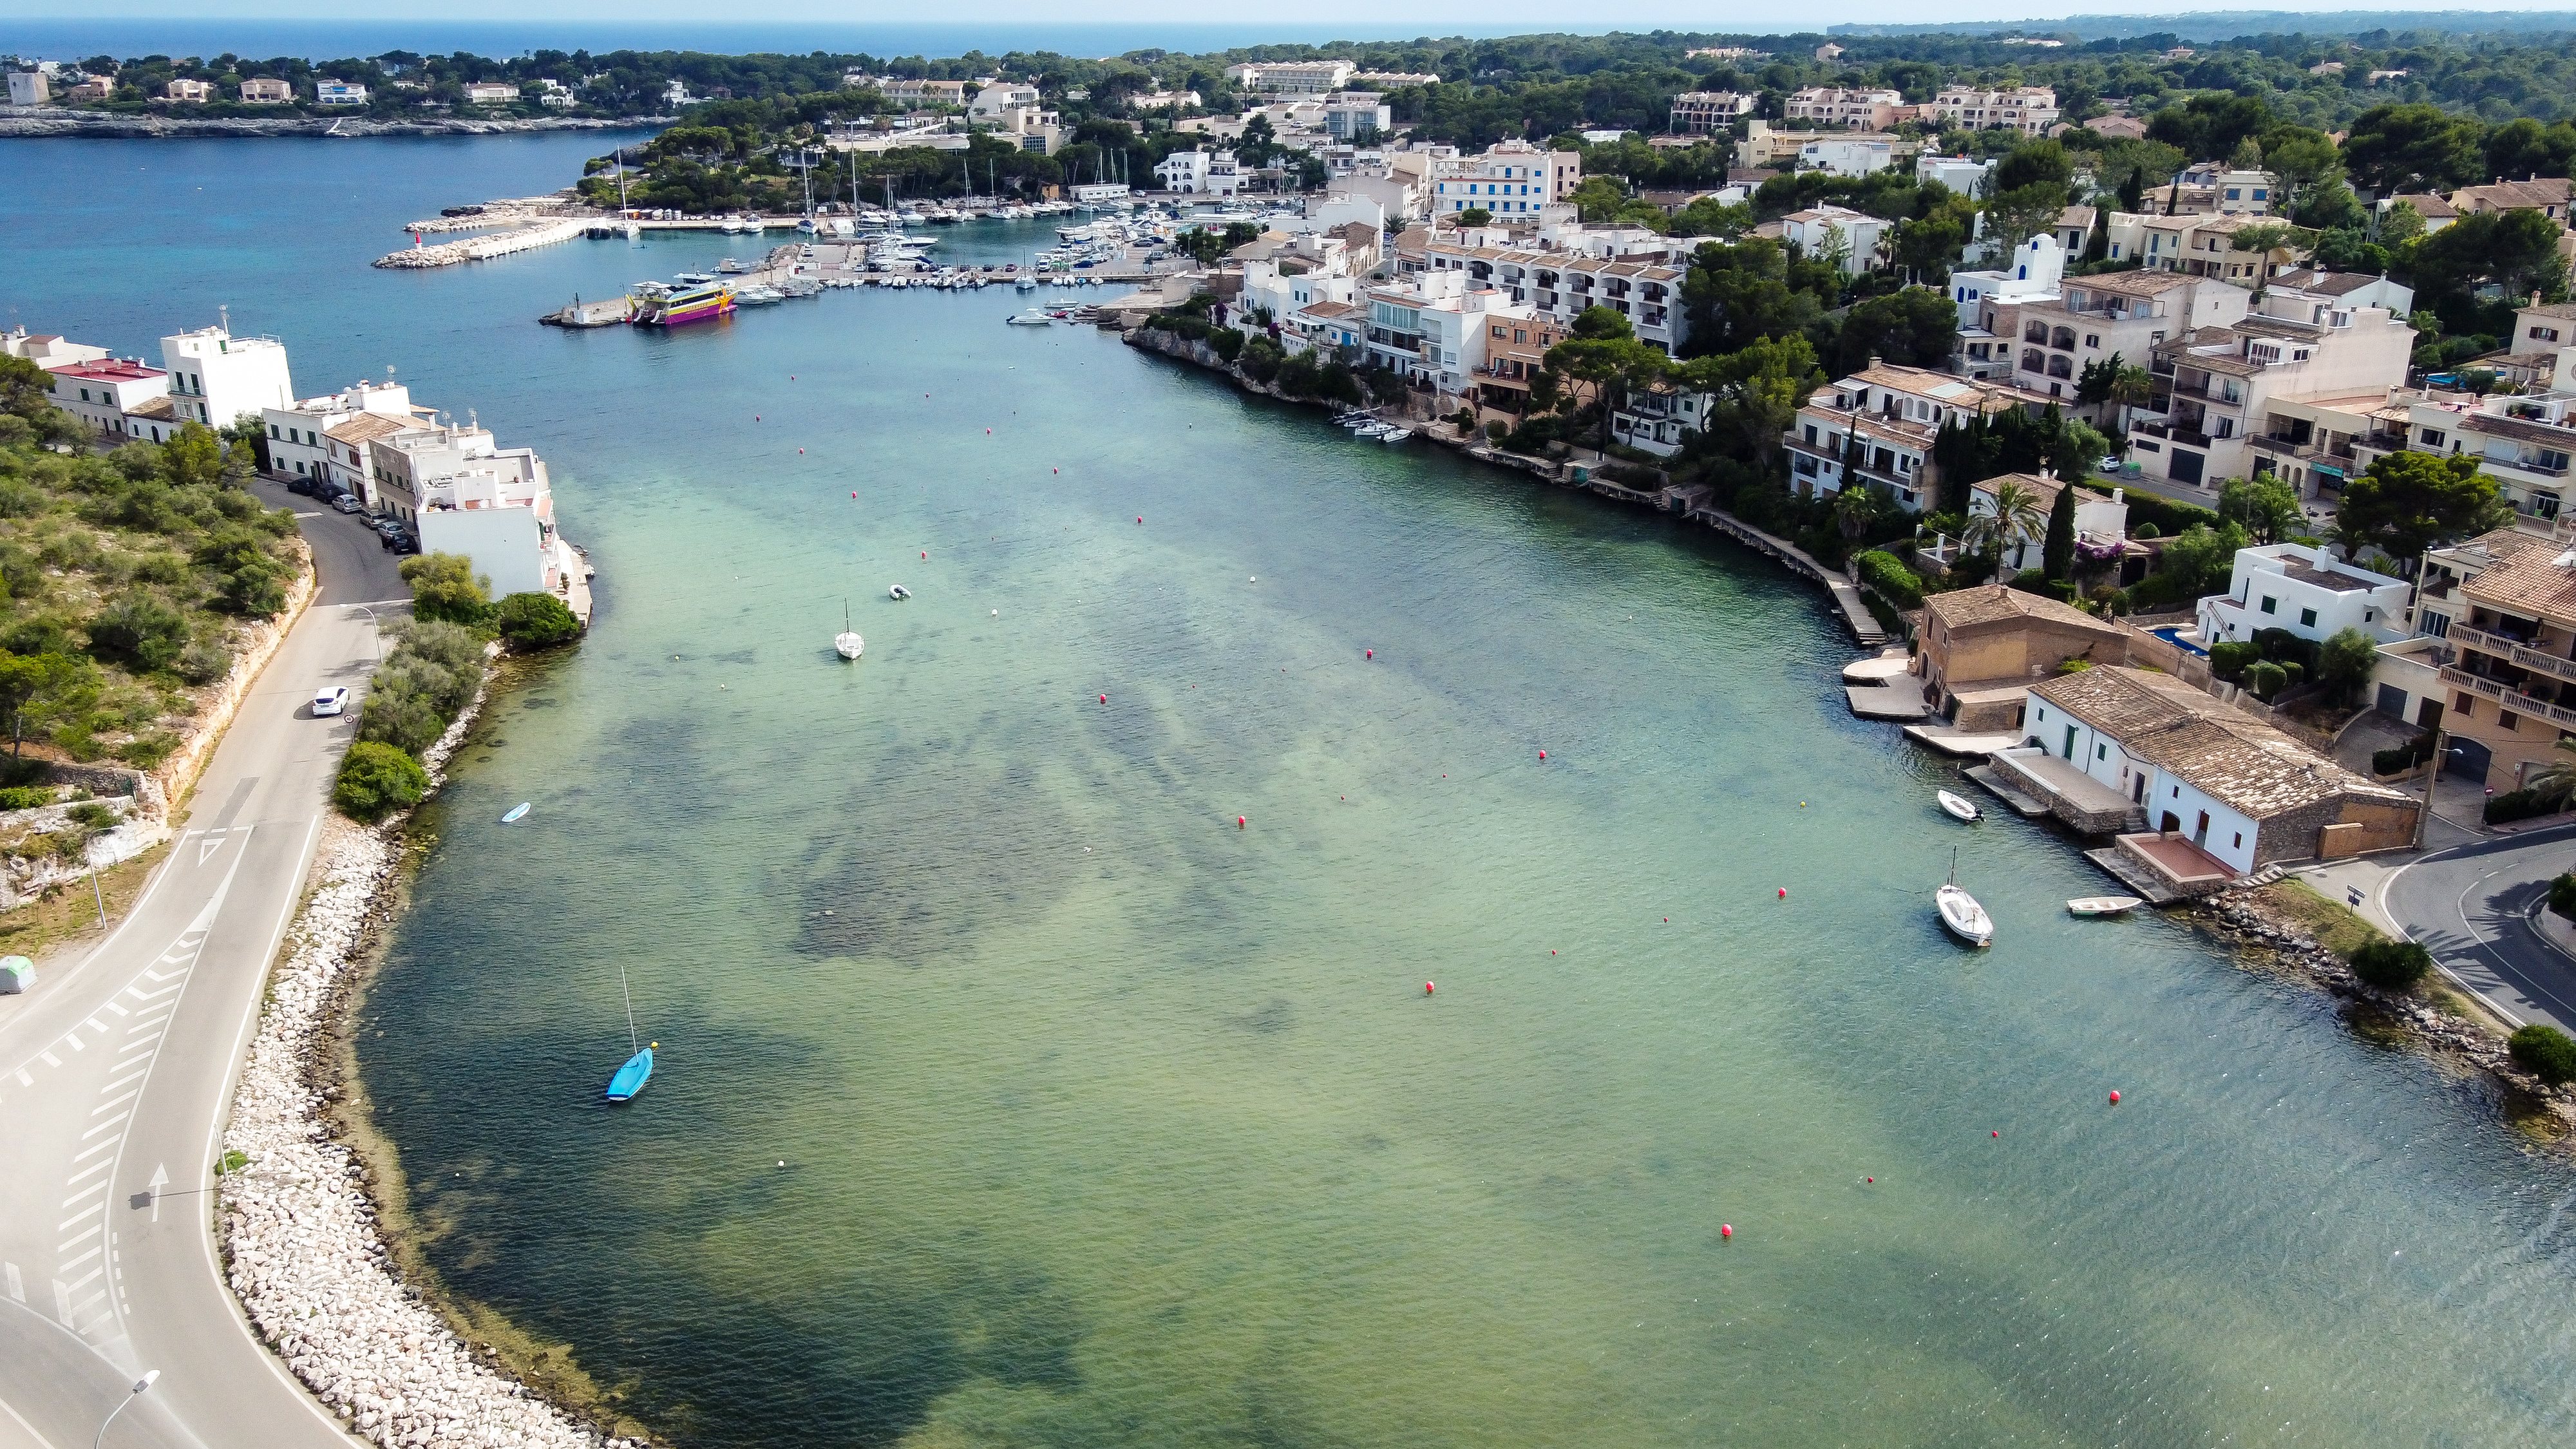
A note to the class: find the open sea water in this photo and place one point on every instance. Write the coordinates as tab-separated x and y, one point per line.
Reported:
1107	1122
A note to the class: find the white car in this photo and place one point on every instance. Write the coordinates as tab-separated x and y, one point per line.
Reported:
331	701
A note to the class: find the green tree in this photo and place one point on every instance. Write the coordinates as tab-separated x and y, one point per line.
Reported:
1857	506
1758	392
2266	507
2014	217
194	456
2522	148
2300	161
2399	224
376	780
1608	368
445	587
138	631
2555	783
2057	555
2344	663
2391	965
36	687
2414	148
2036	163
1472	216
1912	326
2271	241
2201	557
2406	502
2517	251
535	621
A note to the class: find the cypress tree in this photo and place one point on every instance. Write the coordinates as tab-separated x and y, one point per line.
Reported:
2057	555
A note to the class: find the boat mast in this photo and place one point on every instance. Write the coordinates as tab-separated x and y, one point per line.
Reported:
630	1008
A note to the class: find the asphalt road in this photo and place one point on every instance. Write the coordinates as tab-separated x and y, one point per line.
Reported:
2471	905
116	1072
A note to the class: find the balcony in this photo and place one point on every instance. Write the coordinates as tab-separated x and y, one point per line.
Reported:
2172	433
2513	699
2504	646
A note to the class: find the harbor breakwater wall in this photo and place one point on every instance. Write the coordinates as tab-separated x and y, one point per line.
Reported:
40	122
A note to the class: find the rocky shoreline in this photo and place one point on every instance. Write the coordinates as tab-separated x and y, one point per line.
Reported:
302	1246
2238	919
40	123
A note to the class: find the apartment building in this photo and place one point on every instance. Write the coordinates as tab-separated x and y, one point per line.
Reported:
1433	328
1962	174
924	92
2544	194
1511	179
2030	110
1703	113
1823	231
266	92
46	349
1559	284
1877	427
1292	78
1855	155
491	93
1868	110
1765	146
1515	350
1200	173
1356	115
2123	314
189	92
1986	301
2217	389
2506	603
216	377
1660	418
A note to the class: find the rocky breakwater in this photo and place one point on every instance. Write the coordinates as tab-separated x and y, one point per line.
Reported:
301	1241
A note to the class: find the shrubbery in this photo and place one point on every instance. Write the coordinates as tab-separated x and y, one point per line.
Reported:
2515	805
2228	659
2265	679
1887	574
376	780
2392	965
2545	1052
2562	896
535	621
444	587
25	797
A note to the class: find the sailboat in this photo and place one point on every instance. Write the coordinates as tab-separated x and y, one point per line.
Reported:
847	643
630	1078
1960	912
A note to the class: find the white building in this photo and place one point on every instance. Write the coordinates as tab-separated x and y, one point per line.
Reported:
1827	230
1511	179
46	349
2032	276
467	495
105	391
216	377
993	100
1356	115
189	92
1560	283
1878	425
28	88
2128	315
490	93
344	93
299	445
1963	174
1292	78
2100	518
1847	155
2307	591
2219	388
1659	419
1200	173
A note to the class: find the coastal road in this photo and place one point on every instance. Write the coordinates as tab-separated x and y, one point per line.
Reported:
116	1074
2470	906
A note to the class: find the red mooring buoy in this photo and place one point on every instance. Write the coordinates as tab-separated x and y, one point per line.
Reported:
1726	1230
1426	988
1238	822
1542	754
1372	654
2115	1099
1784	893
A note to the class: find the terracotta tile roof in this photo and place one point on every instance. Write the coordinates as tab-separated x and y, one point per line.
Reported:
2323	284
2130	284
2537	195
1999	603
159	407
2431	208
367	427
2521	430
2530	581
2230	756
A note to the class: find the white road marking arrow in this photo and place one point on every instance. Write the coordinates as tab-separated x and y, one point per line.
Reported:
160	1180
208	846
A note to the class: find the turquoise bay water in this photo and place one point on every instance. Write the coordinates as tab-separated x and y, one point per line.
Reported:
1107	1122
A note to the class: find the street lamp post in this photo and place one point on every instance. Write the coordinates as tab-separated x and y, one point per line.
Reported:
140	1385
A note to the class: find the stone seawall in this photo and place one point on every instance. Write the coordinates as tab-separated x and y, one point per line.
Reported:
41	122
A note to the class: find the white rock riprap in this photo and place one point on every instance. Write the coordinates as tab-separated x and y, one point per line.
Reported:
305	1256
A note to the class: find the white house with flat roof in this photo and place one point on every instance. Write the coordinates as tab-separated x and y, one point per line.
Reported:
299	441
216	377
2307	591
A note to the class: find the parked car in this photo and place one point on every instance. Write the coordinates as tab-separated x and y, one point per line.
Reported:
301	483
330	701
407	543
348	503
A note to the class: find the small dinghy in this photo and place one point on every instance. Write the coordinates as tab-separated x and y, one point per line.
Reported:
898	593
847	643
1960	912
2102	905
515	812
1957	807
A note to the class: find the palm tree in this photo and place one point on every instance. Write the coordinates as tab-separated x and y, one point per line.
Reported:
1856	507
2555	783
2020	515
2270	238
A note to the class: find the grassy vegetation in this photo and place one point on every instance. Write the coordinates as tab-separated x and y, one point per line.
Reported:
2341	930
70	911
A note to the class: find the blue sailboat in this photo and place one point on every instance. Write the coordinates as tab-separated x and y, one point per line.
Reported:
630	1078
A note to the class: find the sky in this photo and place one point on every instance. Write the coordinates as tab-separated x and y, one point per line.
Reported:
1377	16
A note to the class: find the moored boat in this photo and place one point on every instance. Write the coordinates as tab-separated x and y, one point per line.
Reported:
1960	912
2102	905
1957	807
689	304
847	643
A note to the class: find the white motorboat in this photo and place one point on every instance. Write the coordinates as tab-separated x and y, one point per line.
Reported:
1395	435
1033	317
694	279
898	593
1960	912
758	296
2102	905
1371	431
731	265
1957	807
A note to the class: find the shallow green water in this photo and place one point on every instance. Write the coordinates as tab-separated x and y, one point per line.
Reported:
1106	1122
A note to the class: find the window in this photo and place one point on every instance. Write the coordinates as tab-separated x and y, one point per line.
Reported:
2464	705
2308	618
2271	605
272	430
2101	752
2545	334
2240	840
2092	339
2507	720
2432	437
